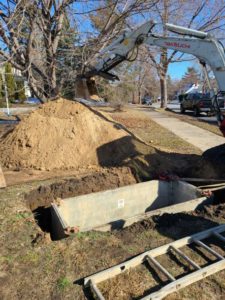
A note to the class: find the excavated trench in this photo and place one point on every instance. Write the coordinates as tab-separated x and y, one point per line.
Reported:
40	200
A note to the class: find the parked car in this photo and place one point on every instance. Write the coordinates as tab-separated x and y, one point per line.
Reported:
32	100
198	103
16	101
146	100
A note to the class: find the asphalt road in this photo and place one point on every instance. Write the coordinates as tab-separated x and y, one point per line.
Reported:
13	112
175	106
16	110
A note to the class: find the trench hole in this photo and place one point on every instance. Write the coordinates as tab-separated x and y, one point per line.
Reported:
40	199
43	219
42	216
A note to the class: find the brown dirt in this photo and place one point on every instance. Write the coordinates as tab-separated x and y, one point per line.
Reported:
147	148
98	181
63	135
6	129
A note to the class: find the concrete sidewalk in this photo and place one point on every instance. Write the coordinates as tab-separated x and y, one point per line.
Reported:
200	138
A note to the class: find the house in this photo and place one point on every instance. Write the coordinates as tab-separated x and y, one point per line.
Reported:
17	75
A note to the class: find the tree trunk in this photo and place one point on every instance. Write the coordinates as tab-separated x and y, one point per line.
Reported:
163	90
54	88
139	95
133	97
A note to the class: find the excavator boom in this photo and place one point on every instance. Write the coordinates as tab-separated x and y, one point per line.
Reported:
198	43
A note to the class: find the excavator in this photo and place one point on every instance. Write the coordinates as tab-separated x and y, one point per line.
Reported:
202	45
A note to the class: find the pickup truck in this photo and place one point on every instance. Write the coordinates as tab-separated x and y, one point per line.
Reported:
198	103
146	100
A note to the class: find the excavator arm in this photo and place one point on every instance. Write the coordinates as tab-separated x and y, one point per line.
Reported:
117	52
198	43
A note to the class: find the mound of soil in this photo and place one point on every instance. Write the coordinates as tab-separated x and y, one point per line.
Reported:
62	135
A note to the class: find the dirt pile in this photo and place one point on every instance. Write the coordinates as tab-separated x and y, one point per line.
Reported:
63	135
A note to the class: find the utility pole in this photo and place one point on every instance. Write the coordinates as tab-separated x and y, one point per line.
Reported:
6	93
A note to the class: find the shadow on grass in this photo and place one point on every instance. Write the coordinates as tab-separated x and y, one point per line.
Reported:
125	152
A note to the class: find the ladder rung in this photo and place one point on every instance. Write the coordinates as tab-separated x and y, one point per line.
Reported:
200	243
160	267
96	291
185	257
219	236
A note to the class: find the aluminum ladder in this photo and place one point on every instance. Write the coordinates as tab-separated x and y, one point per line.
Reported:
150	257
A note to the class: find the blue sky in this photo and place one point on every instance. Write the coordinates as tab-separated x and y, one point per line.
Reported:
177	70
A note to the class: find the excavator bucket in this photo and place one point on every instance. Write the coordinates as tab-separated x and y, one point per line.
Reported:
85	88
81	89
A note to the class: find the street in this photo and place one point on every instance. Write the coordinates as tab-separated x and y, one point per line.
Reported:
16	110
175	107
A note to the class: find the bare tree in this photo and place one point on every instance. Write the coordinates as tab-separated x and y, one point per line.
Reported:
144	77
31	31
30	34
